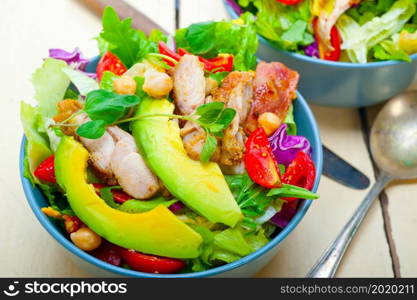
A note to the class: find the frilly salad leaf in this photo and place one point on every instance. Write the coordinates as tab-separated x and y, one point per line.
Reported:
82	82
285	25
129	44
358	40
37	147
50	83
208	39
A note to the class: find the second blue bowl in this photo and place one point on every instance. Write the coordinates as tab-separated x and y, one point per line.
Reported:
341	84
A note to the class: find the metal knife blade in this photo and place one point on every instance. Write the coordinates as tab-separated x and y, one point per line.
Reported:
334	167
339	170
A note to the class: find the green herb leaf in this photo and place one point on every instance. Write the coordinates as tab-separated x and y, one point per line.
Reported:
288	190
209	112
108	106
137	206
92	130
200	37
219	76
209	148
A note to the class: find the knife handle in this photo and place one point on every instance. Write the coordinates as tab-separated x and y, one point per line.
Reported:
125	10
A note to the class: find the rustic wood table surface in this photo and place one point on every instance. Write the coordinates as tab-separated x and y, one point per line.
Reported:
385	245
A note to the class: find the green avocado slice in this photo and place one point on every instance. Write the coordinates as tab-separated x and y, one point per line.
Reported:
157	232
201	186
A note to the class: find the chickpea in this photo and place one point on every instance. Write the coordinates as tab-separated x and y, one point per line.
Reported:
270	122
124	85
157	84
86	239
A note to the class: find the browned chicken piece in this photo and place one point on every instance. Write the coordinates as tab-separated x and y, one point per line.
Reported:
100	150
67	108
236	92
129	167
274	89
189	84
189	93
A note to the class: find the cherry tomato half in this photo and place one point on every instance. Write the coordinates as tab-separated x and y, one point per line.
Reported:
110	62
151	263
259	160
46	170
289	2
301	172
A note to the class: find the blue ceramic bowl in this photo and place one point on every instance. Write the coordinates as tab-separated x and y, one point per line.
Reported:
341	84
244	267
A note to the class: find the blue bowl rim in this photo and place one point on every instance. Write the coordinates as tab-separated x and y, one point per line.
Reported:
50	227
334	64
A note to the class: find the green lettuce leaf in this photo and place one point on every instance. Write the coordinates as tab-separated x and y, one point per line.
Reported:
358	40
289	120
50	83
37	147
82	82
129	44
208	39
284	25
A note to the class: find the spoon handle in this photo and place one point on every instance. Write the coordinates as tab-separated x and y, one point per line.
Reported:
327	265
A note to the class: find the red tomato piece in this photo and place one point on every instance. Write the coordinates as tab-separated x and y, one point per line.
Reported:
259	160
110	62
118	195
222	63
151	263
289	2
46	170
165	50
336	41
301	172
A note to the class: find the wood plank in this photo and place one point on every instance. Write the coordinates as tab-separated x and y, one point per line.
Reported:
340	130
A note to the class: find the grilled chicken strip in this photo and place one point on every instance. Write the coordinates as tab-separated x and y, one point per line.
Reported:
189	93
115	156
236	92
100	150
189	84
129	167
274	89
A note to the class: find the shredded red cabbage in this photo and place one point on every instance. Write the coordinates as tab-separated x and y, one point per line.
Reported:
285	147
73	59
176	206
235	6
284	216
312	50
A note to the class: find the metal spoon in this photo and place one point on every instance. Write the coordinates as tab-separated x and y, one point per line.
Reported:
394	149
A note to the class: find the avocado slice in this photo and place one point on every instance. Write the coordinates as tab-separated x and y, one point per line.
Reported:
201	186
157	232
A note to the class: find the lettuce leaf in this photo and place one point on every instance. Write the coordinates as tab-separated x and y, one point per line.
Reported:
129	44
82	82
358	40
37	147
284	25
208	39
50	83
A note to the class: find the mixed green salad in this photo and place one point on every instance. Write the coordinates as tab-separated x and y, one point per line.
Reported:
357	31
174	155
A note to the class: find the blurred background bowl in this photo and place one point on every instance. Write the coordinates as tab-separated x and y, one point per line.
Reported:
340	84
244	267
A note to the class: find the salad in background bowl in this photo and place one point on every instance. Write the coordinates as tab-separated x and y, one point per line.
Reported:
185	159
349	53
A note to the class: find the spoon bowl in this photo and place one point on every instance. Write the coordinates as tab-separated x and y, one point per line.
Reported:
394	137
394	149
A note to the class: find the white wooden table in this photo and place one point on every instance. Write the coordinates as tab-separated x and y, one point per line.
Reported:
385	242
